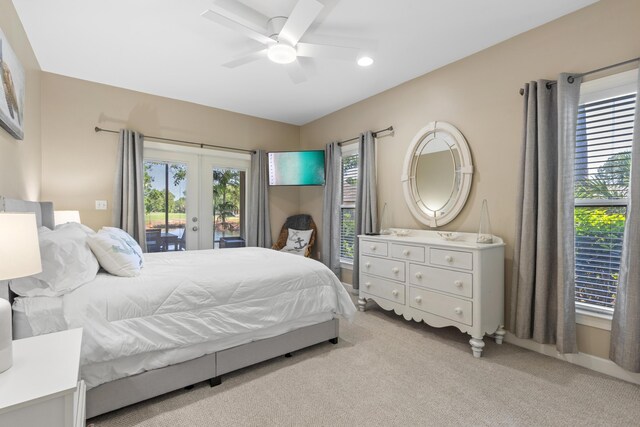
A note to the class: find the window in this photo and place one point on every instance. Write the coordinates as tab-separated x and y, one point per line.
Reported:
602	168
348	204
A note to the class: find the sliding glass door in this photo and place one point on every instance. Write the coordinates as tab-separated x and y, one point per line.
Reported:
194	198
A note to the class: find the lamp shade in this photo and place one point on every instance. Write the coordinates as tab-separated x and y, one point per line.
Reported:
20	248
63	217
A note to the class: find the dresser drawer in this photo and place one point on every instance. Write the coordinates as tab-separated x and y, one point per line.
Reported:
456	259
453	282
382	288
373	247
383	267
411	253
445	306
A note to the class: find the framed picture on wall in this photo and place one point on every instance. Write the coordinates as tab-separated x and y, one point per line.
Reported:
12	92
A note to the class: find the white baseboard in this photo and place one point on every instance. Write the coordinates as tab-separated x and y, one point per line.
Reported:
598	364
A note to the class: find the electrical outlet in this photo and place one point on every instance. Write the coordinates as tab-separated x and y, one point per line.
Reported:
101	205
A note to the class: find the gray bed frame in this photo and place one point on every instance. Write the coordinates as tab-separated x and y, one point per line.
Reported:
129	390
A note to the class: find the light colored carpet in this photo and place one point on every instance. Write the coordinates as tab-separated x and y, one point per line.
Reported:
388	371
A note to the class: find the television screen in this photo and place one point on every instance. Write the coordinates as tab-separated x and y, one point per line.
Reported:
296	168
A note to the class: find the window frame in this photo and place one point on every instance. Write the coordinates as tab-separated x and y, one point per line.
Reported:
346	151
592	91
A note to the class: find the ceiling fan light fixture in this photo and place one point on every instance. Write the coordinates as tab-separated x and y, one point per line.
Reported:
281	53
365	61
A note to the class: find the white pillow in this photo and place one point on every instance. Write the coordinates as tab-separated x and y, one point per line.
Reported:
128	239
67	262
297	241
116	251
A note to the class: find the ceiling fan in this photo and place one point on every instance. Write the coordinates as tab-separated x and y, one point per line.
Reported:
280	34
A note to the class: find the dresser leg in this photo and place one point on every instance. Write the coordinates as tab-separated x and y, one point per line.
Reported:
499	334
476	346
362	304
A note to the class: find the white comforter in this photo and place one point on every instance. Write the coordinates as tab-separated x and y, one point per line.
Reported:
186	298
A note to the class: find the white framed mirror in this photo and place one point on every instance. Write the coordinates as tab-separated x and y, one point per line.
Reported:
437	173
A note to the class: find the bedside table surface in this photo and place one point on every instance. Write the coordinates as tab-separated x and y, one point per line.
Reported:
44	367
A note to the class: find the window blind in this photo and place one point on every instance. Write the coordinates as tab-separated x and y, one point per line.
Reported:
347	209
602	168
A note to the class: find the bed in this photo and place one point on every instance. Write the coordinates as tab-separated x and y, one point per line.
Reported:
188	317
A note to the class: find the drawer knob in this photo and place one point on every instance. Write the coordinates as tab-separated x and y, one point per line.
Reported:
395	270
448	258
367	285
418	275
418	299
405	252
367	264
458	283
394	292
374	247
457	310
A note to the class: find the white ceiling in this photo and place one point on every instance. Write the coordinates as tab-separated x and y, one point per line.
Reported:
164	47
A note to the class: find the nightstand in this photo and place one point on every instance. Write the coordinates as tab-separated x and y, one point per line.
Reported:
42	387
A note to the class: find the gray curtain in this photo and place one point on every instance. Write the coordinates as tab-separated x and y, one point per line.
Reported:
542	302
625	327
366	199
128	206
331	208
568	100
259	227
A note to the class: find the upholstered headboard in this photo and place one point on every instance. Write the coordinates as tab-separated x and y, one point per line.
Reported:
44	217
43	210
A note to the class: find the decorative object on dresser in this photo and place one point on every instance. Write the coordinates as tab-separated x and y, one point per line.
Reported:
441	282
484	231
437	172
43	389
19	257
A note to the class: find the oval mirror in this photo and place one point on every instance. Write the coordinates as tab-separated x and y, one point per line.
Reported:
437	174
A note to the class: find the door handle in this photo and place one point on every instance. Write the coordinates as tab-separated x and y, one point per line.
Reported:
195	228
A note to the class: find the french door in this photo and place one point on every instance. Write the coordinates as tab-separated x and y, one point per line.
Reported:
194	197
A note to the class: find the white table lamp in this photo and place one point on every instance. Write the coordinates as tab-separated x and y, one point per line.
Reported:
19	257
63	217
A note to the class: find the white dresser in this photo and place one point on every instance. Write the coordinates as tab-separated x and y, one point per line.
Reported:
42	387
443	283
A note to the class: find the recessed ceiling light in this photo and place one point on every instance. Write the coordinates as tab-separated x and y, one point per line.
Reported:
281	53
365	61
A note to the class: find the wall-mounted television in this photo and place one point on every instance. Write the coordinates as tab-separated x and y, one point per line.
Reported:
296	167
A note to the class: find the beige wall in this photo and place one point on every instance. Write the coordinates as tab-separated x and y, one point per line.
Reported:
479	95
20	164
78	164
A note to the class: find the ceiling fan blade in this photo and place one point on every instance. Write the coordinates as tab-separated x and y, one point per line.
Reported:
302	16
233	25
240	13
296	72
245	59
326	51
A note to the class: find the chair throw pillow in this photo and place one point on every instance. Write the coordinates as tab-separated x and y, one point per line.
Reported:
297	241
117	252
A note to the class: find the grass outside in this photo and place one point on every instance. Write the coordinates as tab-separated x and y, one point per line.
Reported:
156	219
176	220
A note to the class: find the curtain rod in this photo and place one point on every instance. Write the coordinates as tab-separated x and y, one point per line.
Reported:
375	134
571	79
179	141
